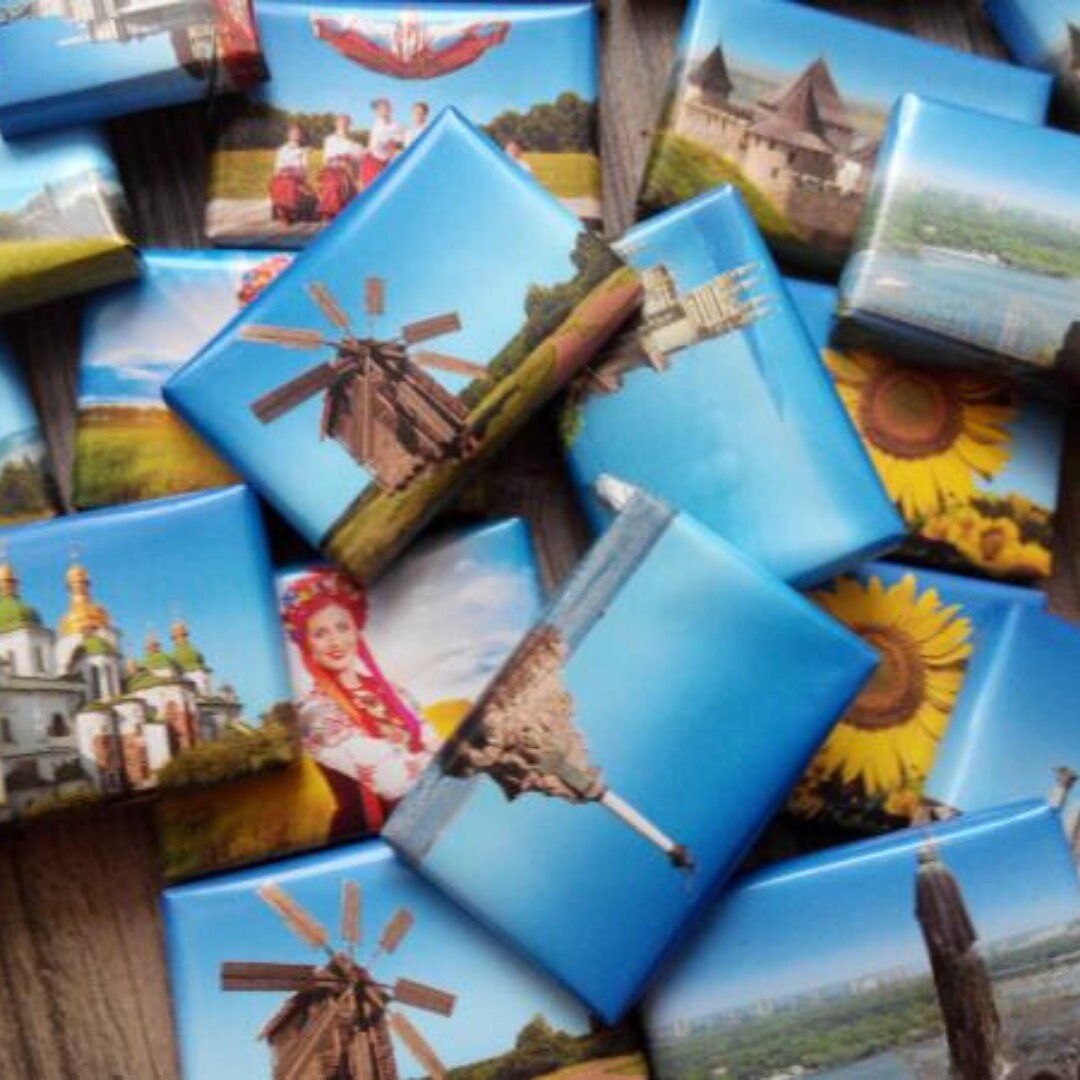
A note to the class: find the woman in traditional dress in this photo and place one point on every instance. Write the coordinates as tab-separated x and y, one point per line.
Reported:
340	170
384	141
370	743
291	197
420	113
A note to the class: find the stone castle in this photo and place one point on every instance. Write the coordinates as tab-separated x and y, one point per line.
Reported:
75	716
798	146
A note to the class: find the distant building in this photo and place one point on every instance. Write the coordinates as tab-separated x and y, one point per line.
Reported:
799	145
671	320
84	205
76	716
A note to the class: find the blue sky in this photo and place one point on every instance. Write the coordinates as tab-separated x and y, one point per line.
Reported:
35	64
1017	719
446	615
224	919
1037	431
456	226
16	409
136	334
27	165
762	386
870	65
669	690
987	157
550	49
200	557
849	912
1034	30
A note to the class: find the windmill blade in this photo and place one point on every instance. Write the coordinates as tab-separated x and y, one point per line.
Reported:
442	362
350	913
241	975
305	926
284	335
375	296
396	929
310	1043
293	393
418	1046
436	326
330	307
421	996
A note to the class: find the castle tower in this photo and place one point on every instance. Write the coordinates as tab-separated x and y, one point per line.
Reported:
711	79
961	977
26	645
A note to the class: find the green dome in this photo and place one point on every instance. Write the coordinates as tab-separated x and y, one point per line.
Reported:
188	658
16	614
142	679
157	660
96	645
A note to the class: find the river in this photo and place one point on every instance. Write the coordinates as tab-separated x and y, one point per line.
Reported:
996	307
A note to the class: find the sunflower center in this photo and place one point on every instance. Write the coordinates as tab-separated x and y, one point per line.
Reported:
910	414
895	690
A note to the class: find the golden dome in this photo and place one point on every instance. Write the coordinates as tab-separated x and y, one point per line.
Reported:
9	583
83	616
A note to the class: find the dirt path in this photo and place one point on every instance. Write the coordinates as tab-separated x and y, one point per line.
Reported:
624	1067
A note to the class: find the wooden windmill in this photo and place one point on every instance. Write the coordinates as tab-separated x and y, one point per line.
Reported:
337	1024
380	403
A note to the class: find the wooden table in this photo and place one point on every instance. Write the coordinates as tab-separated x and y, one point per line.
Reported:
83	990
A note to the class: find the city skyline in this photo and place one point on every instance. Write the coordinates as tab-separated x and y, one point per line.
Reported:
848	914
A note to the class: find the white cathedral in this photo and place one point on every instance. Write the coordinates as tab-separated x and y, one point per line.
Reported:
75	716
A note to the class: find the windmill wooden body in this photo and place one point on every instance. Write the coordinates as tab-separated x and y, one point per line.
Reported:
380	403
337	1024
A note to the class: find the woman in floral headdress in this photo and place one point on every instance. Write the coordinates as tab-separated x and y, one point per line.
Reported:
370	743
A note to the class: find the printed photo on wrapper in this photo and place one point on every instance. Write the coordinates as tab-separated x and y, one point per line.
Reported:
129	445
61	208
68	61
933	633
1014	733
290	156
952	951
255	991
380	676
387	371
971	463
126	671
27	483
790	104
970	247
717	368
574	783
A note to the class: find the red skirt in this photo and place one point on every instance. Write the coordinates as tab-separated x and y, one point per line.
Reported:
370	169
336	188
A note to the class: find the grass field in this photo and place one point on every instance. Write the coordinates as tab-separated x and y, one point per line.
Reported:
129	453
244	174
290	809
33	271
679	169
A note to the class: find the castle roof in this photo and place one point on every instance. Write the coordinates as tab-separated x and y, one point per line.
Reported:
15	613
819	79
796	120
711	76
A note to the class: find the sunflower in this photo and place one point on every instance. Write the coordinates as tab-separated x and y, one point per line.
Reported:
887	739
932	435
